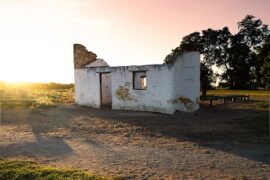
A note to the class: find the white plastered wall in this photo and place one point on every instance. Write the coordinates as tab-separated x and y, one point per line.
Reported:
169	87
159	89
187	82
87	87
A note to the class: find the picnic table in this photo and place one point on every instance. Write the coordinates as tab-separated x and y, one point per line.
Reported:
225	99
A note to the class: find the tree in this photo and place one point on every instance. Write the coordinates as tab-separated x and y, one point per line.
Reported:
207	78
193	42
252	33
264	59
190	42
238	59
215	44
238	65
235	54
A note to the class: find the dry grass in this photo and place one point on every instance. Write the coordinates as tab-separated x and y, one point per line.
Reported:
255	94
10	169
43	96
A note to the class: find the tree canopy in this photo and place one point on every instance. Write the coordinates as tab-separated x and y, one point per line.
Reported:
242	57
264	61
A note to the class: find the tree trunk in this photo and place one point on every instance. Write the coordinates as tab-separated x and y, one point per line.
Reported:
203	92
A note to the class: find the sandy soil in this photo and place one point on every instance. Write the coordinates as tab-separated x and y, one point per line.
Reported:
138	145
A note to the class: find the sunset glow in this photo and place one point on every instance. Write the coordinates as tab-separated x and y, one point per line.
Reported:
37	36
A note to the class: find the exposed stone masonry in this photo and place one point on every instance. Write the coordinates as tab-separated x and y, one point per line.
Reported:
82	56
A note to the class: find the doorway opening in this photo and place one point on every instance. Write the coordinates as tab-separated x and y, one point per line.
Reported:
105	89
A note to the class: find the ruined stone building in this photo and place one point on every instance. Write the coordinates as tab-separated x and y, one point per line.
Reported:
161	88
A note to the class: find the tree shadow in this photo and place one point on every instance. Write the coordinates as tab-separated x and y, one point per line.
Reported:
45	147
43	144
225	127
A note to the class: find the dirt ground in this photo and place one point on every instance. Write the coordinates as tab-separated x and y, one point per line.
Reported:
211	143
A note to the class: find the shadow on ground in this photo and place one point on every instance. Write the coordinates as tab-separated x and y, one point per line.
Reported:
231	128
236	128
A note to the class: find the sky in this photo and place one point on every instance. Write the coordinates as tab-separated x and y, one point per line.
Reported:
37	36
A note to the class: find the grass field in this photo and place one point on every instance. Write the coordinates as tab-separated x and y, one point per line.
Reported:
261	94
41	95
53	93
10	169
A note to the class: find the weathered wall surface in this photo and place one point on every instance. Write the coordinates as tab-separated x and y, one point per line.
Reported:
169	87
87	87
159	89
187	82
82	56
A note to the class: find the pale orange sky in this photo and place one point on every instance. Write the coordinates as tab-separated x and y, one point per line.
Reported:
36	36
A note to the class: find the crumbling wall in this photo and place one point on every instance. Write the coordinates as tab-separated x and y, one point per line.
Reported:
159	88
82	56
169	87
